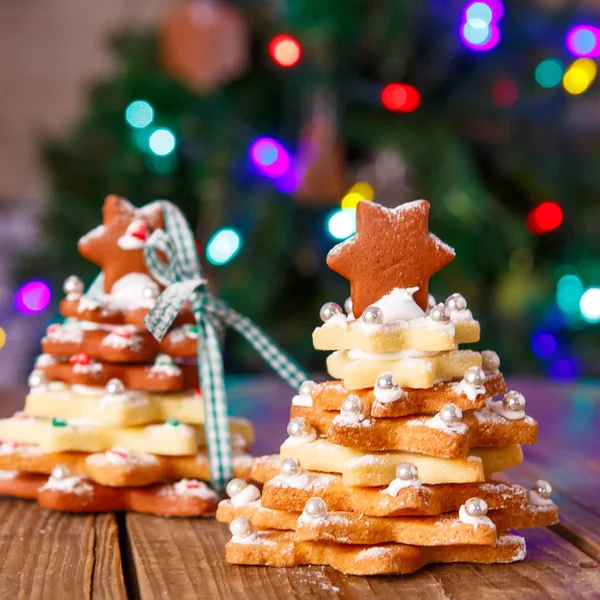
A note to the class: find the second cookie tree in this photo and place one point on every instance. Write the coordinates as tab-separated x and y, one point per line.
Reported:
391	465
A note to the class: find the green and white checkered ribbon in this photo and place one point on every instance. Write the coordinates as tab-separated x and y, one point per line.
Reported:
181	274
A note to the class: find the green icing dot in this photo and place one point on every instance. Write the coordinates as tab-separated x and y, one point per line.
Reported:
173	422
58	423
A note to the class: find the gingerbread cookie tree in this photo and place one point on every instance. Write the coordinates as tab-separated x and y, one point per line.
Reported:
389	467
114	416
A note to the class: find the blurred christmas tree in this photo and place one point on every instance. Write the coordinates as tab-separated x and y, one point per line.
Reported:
258	119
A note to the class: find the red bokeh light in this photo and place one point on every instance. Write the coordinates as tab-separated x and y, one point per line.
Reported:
400	97
505	92
285	50
546	217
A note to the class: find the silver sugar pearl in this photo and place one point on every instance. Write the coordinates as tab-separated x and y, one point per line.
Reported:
60	472
329	310
386	381
372	315
115	387
352	406
315	508
298	427
37	378
450	414
474	376
456	302
290	467
348	305
542	488
241	527
235	486
406	472
476	507
150	293
431	301
306	388
439	313
514	401
490	361
73	285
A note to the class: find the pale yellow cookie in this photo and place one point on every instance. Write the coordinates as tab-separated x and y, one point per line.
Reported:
360	370
169	439
126	409
417	334
379	468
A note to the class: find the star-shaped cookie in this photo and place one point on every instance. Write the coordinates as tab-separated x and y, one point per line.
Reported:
117	245
392	248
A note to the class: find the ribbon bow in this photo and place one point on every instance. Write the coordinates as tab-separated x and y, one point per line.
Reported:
181	274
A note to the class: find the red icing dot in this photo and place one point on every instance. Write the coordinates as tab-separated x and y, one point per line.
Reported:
80	359
138	230
20	415
123	332
120	453
198	391
192	485
54	328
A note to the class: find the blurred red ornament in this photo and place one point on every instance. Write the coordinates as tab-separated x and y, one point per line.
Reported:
545	217
505	92
204	43
400	97
285	50
320	161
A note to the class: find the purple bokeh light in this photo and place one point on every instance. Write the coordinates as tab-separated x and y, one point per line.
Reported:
270	157
488	42
491	11
565	369
33	297
583	40
543	344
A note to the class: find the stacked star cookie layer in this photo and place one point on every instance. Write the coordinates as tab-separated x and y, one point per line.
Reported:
113	417
392	465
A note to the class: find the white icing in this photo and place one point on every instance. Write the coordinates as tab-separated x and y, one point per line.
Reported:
387	396
128	292
246	495
351	419
12	447
249	539
92	368
338	320
74	483
87	303
115	340
87	390
399	484
302	400
471	391
185	430
537	500
66	333
128	242
437	423
170	370
467	519
399	305
128	398
461	315
299	482
301	440
198	489
498	408
6	474
45	360
357	354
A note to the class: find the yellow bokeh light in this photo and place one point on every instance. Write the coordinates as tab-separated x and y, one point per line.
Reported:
579	76
2	337
362	188
351	199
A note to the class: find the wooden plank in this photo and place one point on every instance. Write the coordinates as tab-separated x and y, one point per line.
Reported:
47	554
182	558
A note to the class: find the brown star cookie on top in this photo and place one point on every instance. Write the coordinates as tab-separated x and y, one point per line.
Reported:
117	245
392	248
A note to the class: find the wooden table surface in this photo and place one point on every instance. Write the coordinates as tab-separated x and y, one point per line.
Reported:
44	554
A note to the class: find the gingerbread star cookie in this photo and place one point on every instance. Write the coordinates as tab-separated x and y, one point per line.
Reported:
117	246
392	248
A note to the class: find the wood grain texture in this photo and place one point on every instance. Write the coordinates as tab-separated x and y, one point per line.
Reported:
46	554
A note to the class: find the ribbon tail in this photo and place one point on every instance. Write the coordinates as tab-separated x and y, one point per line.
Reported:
210	369
273	355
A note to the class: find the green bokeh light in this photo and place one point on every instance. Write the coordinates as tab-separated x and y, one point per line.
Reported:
139	114
549	72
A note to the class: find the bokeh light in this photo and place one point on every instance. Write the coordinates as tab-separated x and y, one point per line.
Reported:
480	39
285	50
358	192
478	30
290	181
270	157
162	142
589	305
543	344
579	76
33	297
549	72
565	369
569	290
223	246
400	97
2	337
342	223
583	40
545	217
479	11
139	114
505	92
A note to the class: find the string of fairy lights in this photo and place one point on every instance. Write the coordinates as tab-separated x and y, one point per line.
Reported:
479	30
